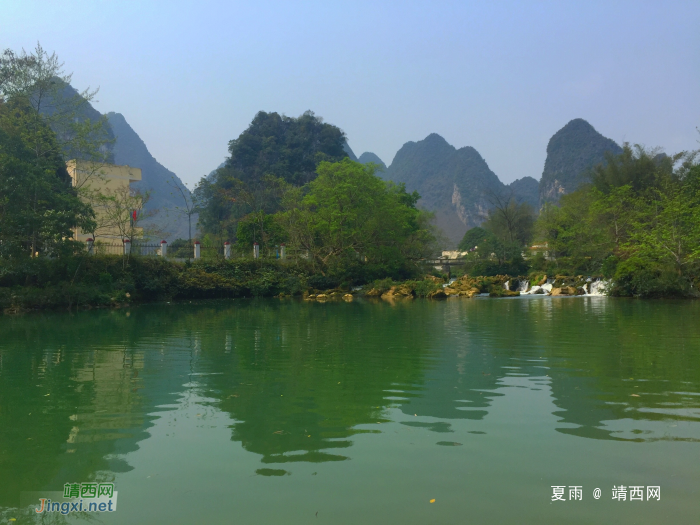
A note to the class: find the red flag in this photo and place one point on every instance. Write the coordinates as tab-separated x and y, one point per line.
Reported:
133	214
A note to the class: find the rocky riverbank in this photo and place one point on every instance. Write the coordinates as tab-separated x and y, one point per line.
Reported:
432	287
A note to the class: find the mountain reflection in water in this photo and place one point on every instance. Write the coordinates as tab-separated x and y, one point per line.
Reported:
296	382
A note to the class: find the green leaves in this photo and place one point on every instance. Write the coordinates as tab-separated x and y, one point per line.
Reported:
350	217
639	222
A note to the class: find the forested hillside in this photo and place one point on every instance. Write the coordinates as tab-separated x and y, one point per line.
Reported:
273	153
571	154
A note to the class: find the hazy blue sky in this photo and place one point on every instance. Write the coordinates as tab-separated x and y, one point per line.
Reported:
499	76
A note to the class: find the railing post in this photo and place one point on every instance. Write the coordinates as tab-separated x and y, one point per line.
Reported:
227	250
256	250
197	252
163	248
90	246
283	251
127	246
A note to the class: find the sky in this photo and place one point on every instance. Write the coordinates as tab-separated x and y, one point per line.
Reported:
501	77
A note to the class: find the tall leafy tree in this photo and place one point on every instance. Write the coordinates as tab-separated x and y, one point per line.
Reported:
39	208
637	221
349	214
42	124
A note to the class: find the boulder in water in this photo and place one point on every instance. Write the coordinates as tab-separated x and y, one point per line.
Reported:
401	291
437	294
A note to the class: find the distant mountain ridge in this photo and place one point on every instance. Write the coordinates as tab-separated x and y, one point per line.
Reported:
125	147
458	185
368	157
168	222
571	153
455	184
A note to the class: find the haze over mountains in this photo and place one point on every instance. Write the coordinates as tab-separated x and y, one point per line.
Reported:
164	219
571	152
458	185
159	181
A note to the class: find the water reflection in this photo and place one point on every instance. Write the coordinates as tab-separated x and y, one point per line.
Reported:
299	380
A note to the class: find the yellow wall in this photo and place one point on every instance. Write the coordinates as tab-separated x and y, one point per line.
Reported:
107	179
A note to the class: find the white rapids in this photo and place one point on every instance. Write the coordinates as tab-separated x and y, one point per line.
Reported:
599	288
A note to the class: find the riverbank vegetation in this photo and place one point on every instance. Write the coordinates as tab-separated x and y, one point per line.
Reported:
289	182
636	222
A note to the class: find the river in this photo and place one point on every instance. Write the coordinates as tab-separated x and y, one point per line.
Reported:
291	412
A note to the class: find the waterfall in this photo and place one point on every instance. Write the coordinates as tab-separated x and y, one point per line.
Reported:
585	289
547	287
450	282
523	286
534	290
599	287
506	285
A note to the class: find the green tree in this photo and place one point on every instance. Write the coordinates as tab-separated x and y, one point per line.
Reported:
37	80
349	214
638	221
39	209
509	220
473	238
272	155
43	123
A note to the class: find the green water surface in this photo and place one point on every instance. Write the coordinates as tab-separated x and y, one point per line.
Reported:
289	412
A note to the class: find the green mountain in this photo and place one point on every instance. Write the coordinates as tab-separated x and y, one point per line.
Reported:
167	222
287	147
453	183
526	190
368	156
125	147
571	153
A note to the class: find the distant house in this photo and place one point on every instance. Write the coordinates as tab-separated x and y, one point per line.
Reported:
453	254
108	180
542	248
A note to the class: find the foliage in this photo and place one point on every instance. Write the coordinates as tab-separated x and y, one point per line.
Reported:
259	227
288	148
180	248
425	287
39	208
496	247
41	126
84	280
637	222
474	237
37	81
272	155
514	266
510	221
350	219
